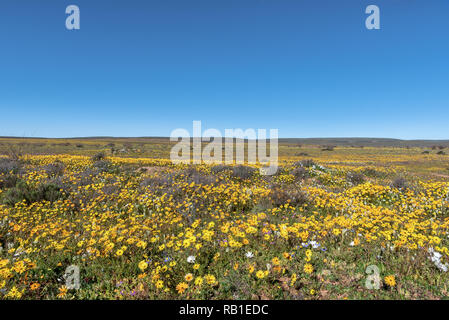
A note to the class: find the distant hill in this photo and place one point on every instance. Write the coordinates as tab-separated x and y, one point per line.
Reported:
365	142
338	142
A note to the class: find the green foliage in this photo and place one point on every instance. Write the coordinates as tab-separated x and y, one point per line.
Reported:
100	156
23	192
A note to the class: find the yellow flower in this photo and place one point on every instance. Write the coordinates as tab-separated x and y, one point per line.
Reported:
308	268
188	277
308	253
277	269
34	286
210	279
293	280
159	284
143	265
142	244
390	281
181	287
196	266
260	274
19	267
3	262
119	253
198	281
62	292
14	293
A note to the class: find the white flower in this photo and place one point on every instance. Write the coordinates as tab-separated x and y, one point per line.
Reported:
352	243
442	267
249	254
18	252
435	258
314	244
191	259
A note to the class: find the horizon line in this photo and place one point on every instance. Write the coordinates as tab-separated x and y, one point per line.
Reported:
167	137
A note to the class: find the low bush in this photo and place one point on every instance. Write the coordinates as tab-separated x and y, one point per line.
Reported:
400	183
219	168
243	172
102	166
9	165
305	163
8	181
300	173
47	191
355	178
54	169
100	156
280	196
373	173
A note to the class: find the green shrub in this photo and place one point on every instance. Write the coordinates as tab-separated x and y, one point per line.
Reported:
98	156
300	173
373	173
9	165
355	178
280	196
54	169
400	183
47	191
243	172
307	163
8	181
103	166
220	168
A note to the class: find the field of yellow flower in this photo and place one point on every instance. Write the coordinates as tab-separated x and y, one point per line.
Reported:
335	227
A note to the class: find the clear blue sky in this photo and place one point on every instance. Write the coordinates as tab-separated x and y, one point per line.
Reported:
143	68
